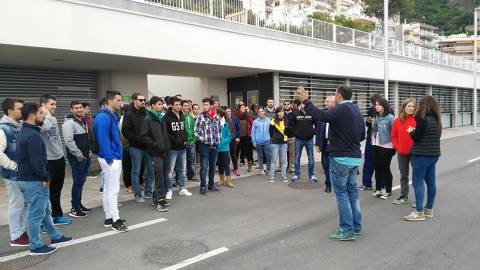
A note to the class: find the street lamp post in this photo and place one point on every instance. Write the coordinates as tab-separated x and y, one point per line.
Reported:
385	46
475	61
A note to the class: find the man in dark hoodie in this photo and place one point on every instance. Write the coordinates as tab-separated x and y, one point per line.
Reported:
346	131
175	122
33	179
154	134
77	144
131	128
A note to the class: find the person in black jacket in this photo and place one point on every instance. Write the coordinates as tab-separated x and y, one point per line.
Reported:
323	145
346	131
303	127
131	127
177	156
33	180
77	144
155	136
425	154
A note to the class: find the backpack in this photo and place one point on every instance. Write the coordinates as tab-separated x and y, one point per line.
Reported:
94	146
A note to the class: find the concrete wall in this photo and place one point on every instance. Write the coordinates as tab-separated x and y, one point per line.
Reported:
125	82
132	29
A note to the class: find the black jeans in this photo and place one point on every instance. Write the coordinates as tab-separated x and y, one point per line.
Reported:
160	180
382	157
233	154
245	147
56	170
224	163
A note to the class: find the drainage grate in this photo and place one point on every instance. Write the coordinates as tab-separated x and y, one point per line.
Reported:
170	252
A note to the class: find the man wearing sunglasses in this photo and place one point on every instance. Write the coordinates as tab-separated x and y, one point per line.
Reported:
131	129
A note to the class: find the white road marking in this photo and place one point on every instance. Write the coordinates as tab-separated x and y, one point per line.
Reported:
196	259
86	239
473	160
398	187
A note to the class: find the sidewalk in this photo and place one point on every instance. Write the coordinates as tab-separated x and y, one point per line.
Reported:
92	198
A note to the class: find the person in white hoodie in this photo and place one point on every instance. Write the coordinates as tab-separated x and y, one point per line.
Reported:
17	208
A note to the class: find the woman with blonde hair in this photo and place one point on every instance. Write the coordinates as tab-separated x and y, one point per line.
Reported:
425	153
403	143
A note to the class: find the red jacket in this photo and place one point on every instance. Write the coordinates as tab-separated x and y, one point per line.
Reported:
401	140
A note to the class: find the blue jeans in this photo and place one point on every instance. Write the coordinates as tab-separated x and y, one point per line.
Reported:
308	144
190	161
176	163
37	198
261	150
79	176
326	168
344	185
208	161
17	209
424	170
138	156
279	151
368	168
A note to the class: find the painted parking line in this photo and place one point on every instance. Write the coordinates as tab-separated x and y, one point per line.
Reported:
473	160
398	187
196	259
86	239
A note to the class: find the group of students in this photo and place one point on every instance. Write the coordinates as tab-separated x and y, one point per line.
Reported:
168	136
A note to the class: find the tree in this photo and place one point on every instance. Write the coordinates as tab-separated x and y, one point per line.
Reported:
374	8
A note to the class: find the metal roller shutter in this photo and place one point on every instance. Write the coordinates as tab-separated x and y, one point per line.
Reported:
411	91
446	99
363	90
30	83
319	88
465	107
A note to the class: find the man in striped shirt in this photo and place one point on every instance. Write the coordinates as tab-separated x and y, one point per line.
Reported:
207	130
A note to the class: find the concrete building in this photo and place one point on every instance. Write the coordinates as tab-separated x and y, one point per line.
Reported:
460	45
78	49
418	34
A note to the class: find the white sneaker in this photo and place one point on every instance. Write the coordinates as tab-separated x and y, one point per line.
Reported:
285	179
169	195
272	179
262	172
184	192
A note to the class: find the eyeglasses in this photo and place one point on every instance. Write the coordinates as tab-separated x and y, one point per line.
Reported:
286	104
141	100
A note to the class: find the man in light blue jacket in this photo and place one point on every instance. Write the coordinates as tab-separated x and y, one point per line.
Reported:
261	138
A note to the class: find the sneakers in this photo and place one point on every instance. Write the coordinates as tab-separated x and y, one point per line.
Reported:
161	206
379	193
148	195
328	189
77	213
213	188
262	172
203	190
139	199
285	180
119	226
61	241
43	250
169	195
108	222
272	179
237	172
58	221
184	192
401	200
85	209
21	241
365	188
386	196
295	179
313	179
101	190
341	236
428	212
415	216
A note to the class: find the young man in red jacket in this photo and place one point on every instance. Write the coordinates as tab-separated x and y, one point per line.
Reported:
402	142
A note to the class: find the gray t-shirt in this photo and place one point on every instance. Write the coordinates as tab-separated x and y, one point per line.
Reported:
51	136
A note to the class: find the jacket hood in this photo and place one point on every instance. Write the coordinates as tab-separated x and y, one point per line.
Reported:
6	119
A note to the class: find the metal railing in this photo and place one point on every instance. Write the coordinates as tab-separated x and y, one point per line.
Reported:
279	20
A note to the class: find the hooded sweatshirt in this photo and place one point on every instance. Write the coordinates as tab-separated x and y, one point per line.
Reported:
9	130
176	130
261	131
75	135
50	133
